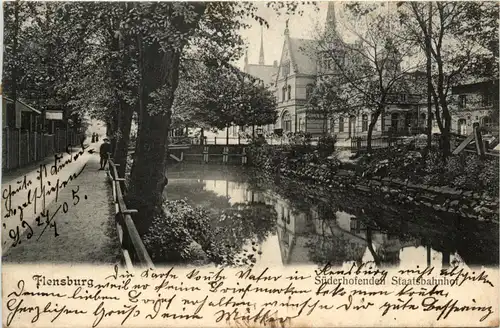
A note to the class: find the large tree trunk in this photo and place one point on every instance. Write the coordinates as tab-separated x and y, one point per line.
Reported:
123	137
371	126
369	244
148	178
445	136
125	114
159	71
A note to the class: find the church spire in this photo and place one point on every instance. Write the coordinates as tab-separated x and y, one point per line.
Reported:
331	22
261	55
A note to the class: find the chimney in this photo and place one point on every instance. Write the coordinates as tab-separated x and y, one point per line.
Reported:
275	63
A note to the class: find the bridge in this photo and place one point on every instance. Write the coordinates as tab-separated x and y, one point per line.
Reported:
214	154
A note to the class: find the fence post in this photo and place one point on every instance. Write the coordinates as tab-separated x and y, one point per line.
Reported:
34	145
7	148
42	145
19	148
28	147
479	140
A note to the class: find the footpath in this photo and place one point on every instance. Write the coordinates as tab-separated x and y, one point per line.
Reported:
76	226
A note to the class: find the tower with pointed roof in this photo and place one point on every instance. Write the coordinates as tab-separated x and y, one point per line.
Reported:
331	22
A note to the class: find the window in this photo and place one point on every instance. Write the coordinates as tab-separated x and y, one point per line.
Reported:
487	121
283	93
372	118
309	91
287	122
462	101
339	58
394	121
487	99
364	123
301	121
332	125
328	63
289	92
341	124
423	120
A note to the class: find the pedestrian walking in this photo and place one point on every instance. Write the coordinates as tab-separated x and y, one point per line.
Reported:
104	151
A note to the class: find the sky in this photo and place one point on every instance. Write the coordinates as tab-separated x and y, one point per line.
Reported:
299	26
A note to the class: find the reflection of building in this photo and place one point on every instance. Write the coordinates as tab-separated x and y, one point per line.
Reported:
293	233
353	234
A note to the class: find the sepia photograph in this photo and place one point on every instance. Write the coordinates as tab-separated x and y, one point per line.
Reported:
267	163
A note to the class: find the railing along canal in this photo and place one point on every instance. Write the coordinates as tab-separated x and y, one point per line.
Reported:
134	253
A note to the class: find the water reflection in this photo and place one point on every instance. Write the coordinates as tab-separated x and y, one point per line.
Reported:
310	227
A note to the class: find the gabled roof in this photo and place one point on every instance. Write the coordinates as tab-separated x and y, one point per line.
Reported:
301	51
262	72
25	105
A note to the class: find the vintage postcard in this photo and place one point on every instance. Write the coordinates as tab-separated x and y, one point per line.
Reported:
250	164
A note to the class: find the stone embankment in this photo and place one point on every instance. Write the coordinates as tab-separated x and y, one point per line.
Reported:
480	206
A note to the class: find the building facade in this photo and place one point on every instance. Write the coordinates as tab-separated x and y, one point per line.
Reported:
475	103
294	77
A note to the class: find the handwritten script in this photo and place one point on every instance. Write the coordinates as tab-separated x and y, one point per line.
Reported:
24	202
317	296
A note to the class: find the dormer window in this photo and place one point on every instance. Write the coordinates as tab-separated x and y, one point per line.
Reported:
285	69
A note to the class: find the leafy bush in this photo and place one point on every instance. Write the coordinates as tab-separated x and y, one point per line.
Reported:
220	234
464	171
171	233
299	138
301	161
489	177
326	145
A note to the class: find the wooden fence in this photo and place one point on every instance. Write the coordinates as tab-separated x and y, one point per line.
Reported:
214	154
134	253
360	144
20	147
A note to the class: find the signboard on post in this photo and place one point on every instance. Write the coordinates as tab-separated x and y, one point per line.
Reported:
56	115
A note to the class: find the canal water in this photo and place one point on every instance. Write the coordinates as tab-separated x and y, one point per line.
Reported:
279	222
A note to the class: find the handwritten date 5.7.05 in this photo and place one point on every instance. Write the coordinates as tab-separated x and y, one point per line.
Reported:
44	221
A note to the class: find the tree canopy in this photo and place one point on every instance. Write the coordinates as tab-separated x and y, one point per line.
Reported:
220	96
